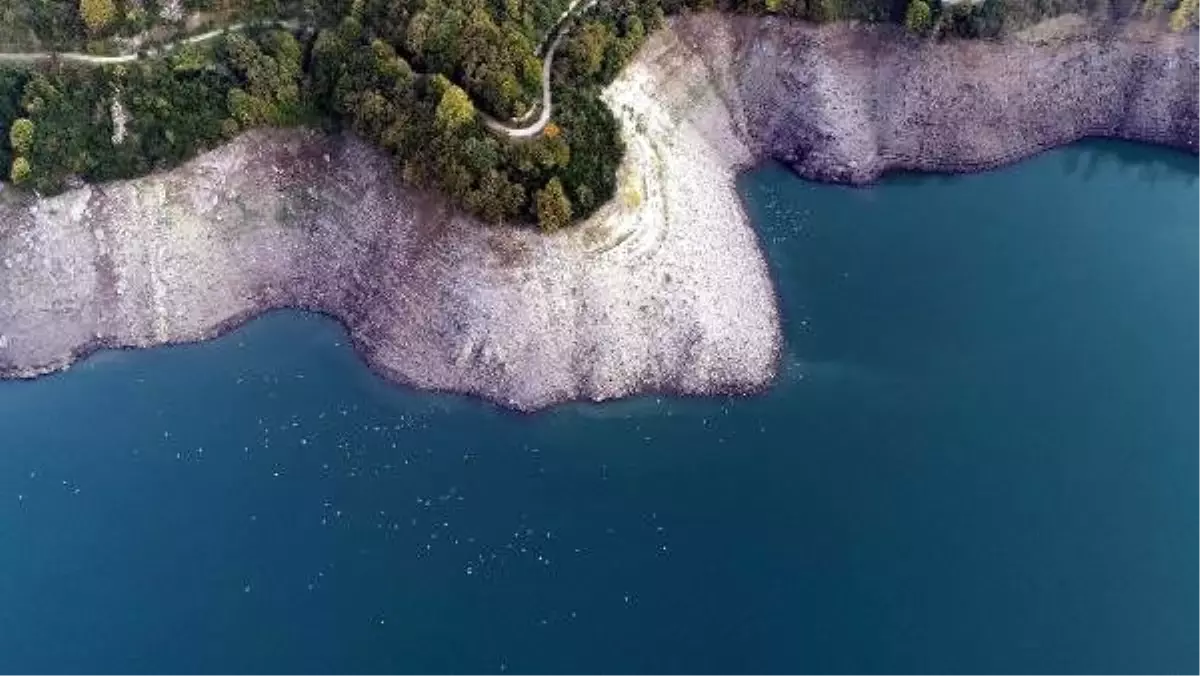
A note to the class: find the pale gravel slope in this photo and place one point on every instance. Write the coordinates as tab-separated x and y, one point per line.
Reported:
669	295
847	103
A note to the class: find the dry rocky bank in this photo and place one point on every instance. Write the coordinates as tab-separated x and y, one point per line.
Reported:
847	103
665	289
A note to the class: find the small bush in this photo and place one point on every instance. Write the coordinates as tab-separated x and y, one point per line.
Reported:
918	18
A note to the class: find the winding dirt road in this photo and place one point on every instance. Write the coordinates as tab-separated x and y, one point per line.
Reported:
534	128
517	130
80	57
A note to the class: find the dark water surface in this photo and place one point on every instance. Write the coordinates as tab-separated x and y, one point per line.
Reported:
981	456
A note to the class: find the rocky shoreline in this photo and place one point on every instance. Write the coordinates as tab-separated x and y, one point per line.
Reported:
666	289
848	103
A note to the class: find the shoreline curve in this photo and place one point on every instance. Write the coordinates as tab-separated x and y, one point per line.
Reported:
665	290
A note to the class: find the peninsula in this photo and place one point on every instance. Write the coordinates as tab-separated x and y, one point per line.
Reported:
662	288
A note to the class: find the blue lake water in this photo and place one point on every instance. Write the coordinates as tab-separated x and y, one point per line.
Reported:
981	456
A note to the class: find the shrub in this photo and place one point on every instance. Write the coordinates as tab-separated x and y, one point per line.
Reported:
553	207
21	136
97	14
20	171
918	18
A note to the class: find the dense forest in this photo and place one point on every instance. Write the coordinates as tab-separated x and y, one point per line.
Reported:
414	77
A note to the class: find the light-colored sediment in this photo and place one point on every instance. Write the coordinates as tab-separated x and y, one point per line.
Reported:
665	289
848	102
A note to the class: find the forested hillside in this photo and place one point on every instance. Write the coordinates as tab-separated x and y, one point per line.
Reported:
415	77
406	75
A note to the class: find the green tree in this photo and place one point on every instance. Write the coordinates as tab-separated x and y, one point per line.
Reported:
918	18
586	48
454	109
821	11
243	108
21	136
97	14
553	207
20	171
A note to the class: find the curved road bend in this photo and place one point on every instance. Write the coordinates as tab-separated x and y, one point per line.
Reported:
532	129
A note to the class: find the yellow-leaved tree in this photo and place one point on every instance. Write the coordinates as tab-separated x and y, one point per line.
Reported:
454	109
918	18
20	171
1183	16
553	207
20	136
97	14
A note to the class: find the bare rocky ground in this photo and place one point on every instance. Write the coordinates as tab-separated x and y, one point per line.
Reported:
637	299
849	102
665	290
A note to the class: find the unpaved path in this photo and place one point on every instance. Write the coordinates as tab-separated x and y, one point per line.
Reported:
80	57
518	131
534	128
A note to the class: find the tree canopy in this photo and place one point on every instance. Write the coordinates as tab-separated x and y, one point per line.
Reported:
454	110
553	207
918	17
20	135
411	76
97	14
20	171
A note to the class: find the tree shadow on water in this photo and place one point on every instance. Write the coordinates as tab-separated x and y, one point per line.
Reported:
1140	161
